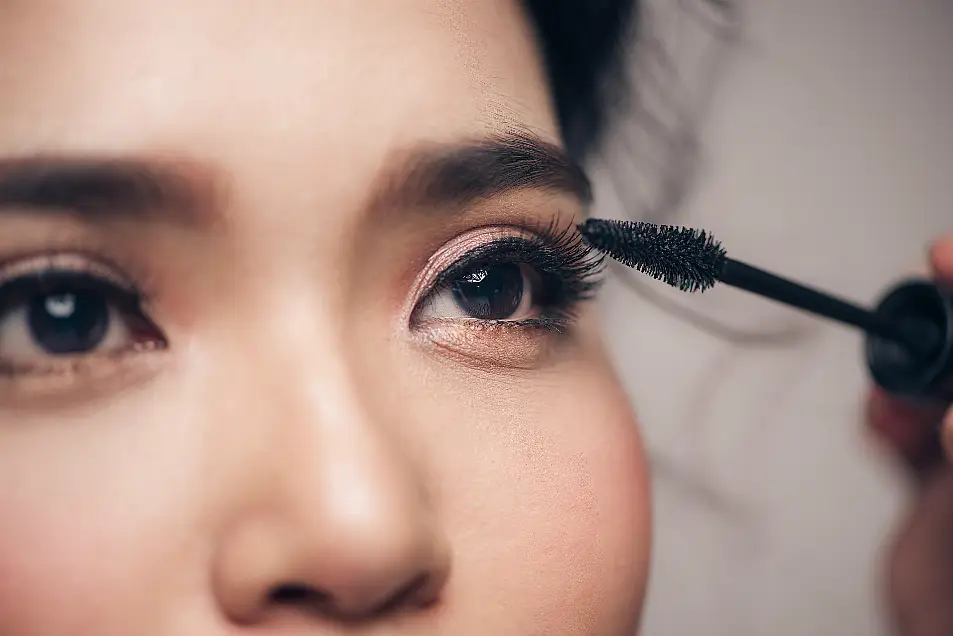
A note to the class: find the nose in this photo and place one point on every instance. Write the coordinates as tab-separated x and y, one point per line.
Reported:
337	526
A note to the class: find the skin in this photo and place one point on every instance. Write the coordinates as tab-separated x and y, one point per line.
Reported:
298	430
919	569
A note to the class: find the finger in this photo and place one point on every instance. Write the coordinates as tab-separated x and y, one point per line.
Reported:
909	430
941	258
947	434
920	571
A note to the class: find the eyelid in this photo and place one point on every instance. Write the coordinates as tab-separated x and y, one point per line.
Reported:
478	346
77	262
495	251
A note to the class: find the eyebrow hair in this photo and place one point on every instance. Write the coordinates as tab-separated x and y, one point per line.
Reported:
432	175
108	186
457	174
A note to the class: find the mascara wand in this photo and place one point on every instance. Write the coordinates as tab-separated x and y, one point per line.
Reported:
909	334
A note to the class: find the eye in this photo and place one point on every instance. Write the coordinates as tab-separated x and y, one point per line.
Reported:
50	316
500	291
511	277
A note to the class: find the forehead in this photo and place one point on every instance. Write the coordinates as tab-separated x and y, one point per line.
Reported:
350	76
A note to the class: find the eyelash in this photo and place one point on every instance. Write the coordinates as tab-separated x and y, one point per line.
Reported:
569	271
49	281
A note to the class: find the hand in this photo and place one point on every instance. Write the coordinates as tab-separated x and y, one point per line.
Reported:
920	565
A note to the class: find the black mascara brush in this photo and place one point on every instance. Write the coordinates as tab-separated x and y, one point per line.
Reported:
909	335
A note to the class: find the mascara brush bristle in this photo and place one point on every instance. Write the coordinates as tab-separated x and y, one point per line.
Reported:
689	259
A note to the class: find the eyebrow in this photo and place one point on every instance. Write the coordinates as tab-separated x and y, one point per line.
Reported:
458	174
107	186
435	175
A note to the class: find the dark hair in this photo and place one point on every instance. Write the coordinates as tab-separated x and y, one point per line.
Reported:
583	44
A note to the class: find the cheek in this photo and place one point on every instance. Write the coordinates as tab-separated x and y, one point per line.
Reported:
85	527
551	506
53	575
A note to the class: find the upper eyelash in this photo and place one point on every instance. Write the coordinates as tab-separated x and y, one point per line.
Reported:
552	250
30	283
83	267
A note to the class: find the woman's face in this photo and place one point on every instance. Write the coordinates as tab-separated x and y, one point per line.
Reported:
294	331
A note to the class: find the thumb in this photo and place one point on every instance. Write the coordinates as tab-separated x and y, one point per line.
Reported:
921	567
909	430
941	258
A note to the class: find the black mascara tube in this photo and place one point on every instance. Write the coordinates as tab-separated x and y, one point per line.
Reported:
923	311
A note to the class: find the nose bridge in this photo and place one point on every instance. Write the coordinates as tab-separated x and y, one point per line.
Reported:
347	471
306	386
346	514
341	436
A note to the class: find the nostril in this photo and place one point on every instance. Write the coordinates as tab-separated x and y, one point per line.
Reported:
301	596
297	594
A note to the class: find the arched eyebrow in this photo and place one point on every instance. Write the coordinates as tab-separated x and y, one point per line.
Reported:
109	187
452	174
457	174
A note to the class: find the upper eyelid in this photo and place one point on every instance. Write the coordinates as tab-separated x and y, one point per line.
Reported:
560	241
70	263
21	288
482	253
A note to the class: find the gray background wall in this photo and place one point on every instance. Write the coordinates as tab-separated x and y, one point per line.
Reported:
827	154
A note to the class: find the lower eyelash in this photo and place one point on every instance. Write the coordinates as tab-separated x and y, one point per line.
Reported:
557	325
78	364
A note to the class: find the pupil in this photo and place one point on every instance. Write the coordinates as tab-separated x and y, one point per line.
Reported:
68	322
493	292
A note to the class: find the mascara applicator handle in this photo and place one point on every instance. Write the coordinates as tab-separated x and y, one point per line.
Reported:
923	310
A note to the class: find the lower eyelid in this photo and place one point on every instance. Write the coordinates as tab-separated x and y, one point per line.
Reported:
493	344
76	381
80	364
